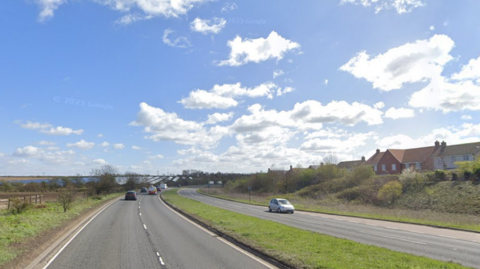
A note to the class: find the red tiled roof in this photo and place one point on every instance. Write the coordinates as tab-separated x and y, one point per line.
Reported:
412	155
374	159
349	164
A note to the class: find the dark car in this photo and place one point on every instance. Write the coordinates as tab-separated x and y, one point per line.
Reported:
131	195
159	189
143	189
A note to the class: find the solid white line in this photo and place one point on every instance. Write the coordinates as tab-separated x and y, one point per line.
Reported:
158	254
161	261
144	226
221	239
71	239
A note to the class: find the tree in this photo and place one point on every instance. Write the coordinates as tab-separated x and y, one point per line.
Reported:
132	181
330	158
104	181
66	196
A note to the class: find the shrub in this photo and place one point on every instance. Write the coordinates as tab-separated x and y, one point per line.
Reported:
389	192
18	206
440	175
410	179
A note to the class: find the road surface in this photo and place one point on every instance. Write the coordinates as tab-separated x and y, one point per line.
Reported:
147	234
439	244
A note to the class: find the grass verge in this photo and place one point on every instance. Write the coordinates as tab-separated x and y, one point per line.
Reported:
299	248
20	228
430	218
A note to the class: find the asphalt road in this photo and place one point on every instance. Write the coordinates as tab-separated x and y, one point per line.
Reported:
439	244
147	234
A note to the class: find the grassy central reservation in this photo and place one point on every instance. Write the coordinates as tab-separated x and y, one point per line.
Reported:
299	248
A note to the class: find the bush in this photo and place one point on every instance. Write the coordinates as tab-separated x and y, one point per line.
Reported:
18	206
440	175
410	179
389	192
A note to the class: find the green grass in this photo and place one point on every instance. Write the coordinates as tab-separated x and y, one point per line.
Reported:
424	217
296	247
20	228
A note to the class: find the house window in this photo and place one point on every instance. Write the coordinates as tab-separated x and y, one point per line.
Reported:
407	165
394	167
439	161
383	167
375	168
453	159
466	157
417	166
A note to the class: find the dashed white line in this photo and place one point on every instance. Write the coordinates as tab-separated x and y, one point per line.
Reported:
161	261
144	226
140	213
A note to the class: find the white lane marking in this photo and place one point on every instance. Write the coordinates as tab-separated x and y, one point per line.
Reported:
158	254
71	239
140	213
221	239
161	261
138	207
397	238
144	226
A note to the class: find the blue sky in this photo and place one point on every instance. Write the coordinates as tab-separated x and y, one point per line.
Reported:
164	86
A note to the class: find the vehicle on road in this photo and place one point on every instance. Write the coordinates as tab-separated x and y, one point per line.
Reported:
158	188
152	190
281	205
143	189
163	186
131	195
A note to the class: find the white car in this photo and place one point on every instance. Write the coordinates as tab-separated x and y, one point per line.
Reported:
280	205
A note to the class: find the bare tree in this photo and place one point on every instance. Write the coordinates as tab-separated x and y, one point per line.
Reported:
66	197
105	180
330	158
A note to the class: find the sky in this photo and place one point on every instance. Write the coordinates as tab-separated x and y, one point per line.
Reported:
160	86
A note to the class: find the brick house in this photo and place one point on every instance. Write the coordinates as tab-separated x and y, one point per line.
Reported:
374	161
350	165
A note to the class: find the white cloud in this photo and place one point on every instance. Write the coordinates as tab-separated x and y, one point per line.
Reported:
227	7
401	6
118	146
222	96
82	144
131	18
46	143
442	95
466	117
213	26
179	42
105	144
284	91
409	63
379	105
49	129
325	82
278	73
47	8
399	113
258	50
337	145
97	162
169	127
156	157
432	28
219	117
27	151
470	71
136	147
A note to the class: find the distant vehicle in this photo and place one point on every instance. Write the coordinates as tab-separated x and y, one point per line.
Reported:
158	188
152	190
211	183
143	189
163	186
131	195
281	205
219	183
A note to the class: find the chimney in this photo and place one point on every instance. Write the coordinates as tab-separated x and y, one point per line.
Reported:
378	151
444	144
363	159
291	168
437	144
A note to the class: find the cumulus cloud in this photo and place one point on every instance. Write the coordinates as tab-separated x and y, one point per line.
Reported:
227	7
27	151
47	8
47	128
409	63
105	144
278	73
336	144
136	147
213	26
219	117
223	96
466	117
82	144
258	50
284	91
46	143
118	146
401	6
156	157
163	126
443	95
400	113
178	42
470	71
